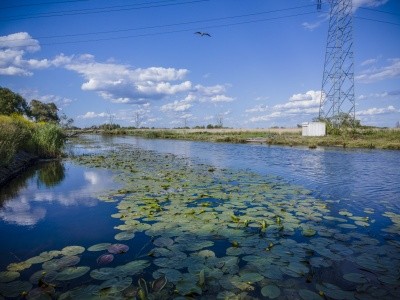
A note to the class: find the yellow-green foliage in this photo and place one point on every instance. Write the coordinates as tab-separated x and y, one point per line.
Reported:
19	134
48	139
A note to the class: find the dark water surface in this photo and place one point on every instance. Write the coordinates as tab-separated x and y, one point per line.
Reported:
56	204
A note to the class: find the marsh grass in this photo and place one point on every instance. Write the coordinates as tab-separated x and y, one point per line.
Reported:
18	134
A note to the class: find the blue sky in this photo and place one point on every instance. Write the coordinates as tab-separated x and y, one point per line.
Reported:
140	62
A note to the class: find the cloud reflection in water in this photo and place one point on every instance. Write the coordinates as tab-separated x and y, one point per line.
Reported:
27	202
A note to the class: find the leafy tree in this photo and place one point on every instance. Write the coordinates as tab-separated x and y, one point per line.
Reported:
43	112
11	103
66	122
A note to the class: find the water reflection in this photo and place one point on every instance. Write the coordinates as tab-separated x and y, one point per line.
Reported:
51	174
25	200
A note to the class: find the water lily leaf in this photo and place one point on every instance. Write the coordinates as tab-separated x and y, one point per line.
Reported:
99	247
14	288
87	292
17	267
72	272
251	277
308	232
355	277
124	236
114	285
188	285
46	275
8	276
163	242
133	267
309	295
271	291
104	273
72	250
172	275
118	248
105	259
60	263
38	259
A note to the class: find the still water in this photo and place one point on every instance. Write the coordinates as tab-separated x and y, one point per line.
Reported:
58	204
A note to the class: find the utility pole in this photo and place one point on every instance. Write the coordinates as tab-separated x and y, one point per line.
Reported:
337	96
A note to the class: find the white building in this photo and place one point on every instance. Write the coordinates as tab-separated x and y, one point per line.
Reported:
313	129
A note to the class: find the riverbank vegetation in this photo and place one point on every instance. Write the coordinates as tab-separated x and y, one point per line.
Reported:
361	137
19	132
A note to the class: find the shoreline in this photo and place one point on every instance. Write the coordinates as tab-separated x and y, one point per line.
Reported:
21	162
365	138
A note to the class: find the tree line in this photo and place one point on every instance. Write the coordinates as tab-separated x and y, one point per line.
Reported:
13	103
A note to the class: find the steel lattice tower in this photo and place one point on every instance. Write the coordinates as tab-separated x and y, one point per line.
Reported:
337	96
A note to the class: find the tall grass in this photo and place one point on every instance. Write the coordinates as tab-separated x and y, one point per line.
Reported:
18	134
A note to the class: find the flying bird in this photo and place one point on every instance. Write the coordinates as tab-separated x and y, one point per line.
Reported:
203	33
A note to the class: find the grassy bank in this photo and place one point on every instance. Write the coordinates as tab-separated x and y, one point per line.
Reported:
360	138
18	134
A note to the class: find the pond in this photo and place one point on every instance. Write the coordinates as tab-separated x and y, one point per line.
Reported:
164	219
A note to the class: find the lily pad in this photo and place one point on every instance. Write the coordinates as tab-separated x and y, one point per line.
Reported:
104	273
118	248
72	250
105	259
14	288
271	291
309	295
124	236
355	277
72	272
308	232
99	247
163	242
8	276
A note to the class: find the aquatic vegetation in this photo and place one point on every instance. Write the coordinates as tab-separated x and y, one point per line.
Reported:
189	231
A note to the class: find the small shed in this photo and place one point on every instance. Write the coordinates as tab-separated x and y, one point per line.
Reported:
313	129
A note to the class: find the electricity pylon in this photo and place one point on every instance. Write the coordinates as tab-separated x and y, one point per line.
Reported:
337	95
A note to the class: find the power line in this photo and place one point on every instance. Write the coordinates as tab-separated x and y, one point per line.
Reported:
107	9
177	31
172	24
42	3
381	11
380	21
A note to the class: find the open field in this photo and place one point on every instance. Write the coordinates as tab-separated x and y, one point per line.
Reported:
360	138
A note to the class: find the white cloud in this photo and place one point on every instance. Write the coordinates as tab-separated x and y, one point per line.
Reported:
309	99
374	95
19	40
34	94
377	111
375	74
176	106
369	62
298	105
122	84
368	3
257	108
221	98
92	115
13	48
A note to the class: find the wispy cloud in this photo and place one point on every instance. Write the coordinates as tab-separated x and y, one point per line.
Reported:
377	111
374	73
92	115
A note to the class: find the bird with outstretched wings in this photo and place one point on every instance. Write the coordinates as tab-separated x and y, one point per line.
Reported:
202	33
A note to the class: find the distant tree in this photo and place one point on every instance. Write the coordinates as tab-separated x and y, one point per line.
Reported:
44	112
66	122
397	124
11	103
